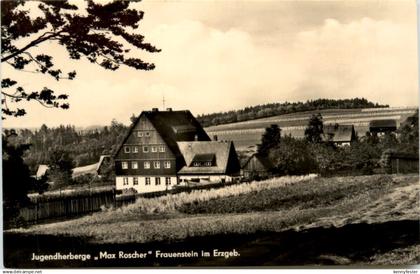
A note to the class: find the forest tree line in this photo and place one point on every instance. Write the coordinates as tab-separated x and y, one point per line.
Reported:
84	147
273	109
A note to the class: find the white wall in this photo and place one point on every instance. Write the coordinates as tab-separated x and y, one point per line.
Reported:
204	178
142	187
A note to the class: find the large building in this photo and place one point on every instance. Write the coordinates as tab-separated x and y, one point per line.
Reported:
151	155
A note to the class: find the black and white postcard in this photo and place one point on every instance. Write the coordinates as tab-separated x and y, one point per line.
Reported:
209	134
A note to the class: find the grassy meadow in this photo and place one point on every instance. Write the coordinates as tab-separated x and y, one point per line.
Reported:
276	205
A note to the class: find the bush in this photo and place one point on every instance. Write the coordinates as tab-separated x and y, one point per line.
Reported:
292	157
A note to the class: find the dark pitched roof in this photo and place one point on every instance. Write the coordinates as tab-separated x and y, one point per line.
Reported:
386	123
264	160
173	126
338	133
220	150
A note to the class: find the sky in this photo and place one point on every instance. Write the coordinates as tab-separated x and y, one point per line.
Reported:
220	55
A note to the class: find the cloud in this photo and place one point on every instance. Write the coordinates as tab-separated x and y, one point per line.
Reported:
208	69
364	58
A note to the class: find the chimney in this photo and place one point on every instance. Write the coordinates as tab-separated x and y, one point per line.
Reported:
155	109
169	109
215	138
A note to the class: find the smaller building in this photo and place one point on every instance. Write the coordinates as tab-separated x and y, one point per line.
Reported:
399	162
208	161
257	166
340	135
383	126
41	171
103	165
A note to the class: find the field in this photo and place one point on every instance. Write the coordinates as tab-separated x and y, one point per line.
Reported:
245	216
248	133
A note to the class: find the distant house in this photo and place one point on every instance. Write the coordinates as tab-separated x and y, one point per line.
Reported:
93	169
209	161
104	162
84	170
257	166
41	171
382	126
340	135
152	154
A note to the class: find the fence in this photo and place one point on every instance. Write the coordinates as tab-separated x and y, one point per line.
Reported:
50	207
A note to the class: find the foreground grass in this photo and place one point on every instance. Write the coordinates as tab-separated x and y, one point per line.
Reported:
309	203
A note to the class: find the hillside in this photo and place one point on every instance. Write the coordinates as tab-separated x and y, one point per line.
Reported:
353	220
273	109
247	134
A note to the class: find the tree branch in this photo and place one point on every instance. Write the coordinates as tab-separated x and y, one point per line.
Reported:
40	39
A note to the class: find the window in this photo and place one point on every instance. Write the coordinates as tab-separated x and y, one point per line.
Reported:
135	181
135	149
134	165
147	181
124	165
145	149
125	181
168	181
139	134
157	181
167	164
197	164
146	165
156	164
147	134
127	149
208	163
154	149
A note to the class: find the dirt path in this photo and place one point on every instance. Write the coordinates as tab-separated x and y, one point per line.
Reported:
401	204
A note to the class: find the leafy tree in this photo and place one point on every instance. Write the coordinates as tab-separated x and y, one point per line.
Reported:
314	130
17	181
270	139
409	135
133	119
372	138
102	33
292	157
60	168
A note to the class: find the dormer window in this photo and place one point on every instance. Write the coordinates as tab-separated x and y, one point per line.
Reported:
135	149
127	149
207	160
145	149
139	134
147	134
154	149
